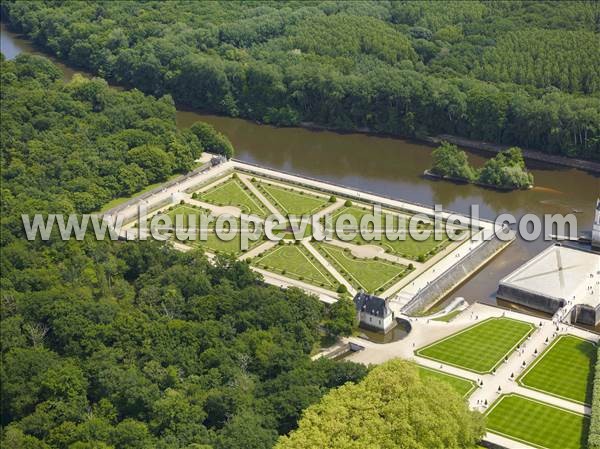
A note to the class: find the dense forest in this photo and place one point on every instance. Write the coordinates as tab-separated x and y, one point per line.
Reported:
133	345
523	73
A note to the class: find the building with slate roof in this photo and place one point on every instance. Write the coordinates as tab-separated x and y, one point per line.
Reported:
373	312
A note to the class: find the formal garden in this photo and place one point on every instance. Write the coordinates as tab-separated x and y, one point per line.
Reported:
362	267
406	247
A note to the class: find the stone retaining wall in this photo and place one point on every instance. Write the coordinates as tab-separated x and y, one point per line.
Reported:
158	189
581	164
334	189
454	275
530	299
585	314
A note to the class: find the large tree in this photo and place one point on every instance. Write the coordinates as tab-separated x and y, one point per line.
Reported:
391	408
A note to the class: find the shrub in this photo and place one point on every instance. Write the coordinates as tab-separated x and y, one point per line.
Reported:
332	199
342	288
421	258
594	437
348	203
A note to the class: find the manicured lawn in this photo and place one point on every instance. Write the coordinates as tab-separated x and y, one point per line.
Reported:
287	230
233	193
186	211
481	347
368	274
462	386
565	369
209	240
407	247
291	201
538	424
296	262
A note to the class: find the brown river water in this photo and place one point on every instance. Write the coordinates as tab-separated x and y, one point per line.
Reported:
394	167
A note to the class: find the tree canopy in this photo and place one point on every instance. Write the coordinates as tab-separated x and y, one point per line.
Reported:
132	345
390	408
506	170
517	73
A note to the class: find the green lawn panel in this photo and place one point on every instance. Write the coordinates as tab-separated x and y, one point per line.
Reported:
290	201
565	370
187	211
298	264
538	424
462	386
368	274
233	193
481	347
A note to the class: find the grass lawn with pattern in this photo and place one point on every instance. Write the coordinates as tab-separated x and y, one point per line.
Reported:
462	386
233	193
291	201
370	275
186	211
479	348
537	424
296	262
408	247
565	370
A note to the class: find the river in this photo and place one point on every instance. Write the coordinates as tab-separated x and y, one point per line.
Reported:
393	167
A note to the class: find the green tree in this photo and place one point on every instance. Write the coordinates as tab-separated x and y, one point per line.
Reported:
506	170
212	140
448	160
341	317
155	161
418	414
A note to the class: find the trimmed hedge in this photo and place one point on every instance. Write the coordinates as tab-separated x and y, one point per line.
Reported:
594	438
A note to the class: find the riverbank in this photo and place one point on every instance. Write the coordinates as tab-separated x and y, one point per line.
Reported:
479	145
581	164
11	46
430	174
